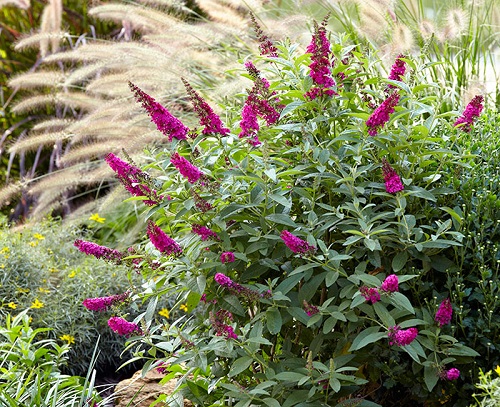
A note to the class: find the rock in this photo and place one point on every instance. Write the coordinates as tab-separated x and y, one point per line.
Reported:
142	391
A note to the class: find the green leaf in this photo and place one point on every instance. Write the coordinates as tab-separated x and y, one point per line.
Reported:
273	320
399	261
291	107
369	335
461	350
281	200
400	301
289	376
281	219
430	377
384	315
271	402
240	365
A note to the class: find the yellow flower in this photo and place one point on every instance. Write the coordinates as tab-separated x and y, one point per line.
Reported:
5	250
497	370
38	236
43	290
53	270
37	304
183	307
23	290
72	274
2	266
12	305
6	256
95	217
68	338
164	312
34	243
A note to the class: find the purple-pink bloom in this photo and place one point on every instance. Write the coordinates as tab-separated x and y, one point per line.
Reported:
296	244
371	294
204	232
249	124
133	179
398	69
392	180
223	280
227	257
381	114
444	313
211	122
104	303
401	337
390	284
220	322
452	374
187	170
100	252
123	327
310	309
266	45
169	125
471	112
162	241
320	68
238	289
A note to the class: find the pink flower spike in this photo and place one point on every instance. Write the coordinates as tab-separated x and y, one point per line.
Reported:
401	337
123	327
162	241
204	232
104	303
390	284
165	122
99	252
296	244
392	180
444	313
187	170
371	295
471	112
397	70
227	257
381	114
452	374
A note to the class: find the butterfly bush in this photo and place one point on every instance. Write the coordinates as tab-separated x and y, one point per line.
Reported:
320	320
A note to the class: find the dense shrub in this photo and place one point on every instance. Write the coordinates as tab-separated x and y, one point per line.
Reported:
312	237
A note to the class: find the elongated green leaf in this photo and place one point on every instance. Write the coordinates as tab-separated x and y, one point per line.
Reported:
369	335
273	320
240	365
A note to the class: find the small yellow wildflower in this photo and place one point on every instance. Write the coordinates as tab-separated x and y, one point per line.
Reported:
68	338
23	290
38	236
72	274
12	305
497	370
183	307
164	312
37	304
53	270
2	266
43	290
5	250
95	217
33	243
6	256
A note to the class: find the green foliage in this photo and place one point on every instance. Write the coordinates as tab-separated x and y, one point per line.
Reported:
30	369
291	327
489	387
43	272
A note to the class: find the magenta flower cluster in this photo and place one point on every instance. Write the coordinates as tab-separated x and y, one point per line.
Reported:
444	313
238	289
105	303
204	232
123	327
392	180
165	122
310	309
398	69
260	103
100	252
162	241
381	114
211	123
220	322
296	244
389	285
187	170
472	111
133	179
401	337
320	68
450	374
266	46
227	257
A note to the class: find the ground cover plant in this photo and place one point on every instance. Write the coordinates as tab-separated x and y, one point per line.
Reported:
310	235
